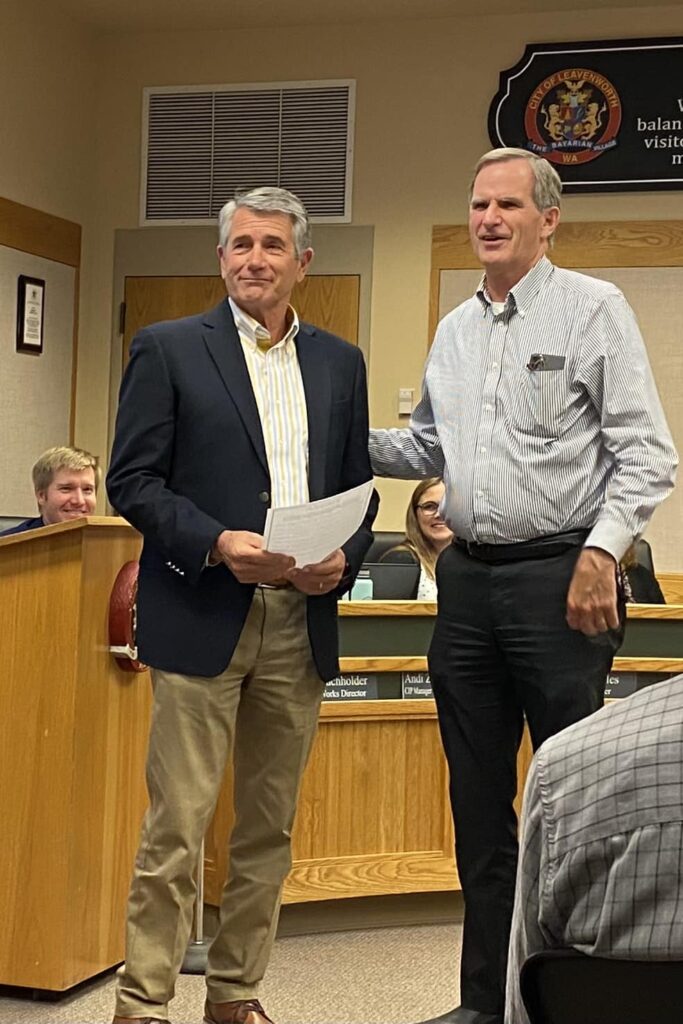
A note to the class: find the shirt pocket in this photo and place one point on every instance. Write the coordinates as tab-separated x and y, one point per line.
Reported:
542	400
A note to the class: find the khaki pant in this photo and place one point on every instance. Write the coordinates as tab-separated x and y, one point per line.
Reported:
264	708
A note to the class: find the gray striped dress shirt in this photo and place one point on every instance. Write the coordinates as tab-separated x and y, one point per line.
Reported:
541	418
601	853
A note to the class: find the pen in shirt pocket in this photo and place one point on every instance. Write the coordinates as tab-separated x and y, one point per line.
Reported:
539	361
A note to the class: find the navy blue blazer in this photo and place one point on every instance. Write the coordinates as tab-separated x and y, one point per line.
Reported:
28	524
189	461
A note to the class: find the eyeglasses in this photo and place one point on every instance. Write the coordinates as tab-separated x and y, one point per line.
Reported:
430	508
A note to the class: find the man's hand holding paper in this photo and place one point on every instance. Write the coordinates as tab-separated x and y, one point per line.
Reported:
313	532
243	553
320	578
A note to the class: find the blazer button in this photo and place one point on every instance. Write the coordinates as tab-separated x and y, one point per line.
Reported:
264	497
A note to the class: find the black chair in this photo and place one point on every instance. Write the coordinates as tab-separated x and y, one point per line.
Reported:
562	986
382	542
644	555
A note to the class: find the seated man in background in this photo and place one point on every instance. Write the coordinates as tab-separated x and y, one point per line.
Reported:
426	536
65	481
601	851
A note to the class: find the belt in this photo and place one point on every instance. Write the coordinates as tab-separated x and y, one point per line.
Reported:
275	586
540	547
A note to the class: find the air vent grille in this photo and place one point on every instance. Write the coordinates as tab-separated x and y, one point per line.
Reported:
200	145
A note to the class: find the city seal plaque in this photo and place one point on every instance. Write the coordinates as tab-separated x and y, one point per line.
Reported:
608	115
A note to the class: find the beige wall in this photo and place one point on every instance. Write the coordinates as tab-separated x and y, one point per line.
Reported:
47	82
36	390
422	100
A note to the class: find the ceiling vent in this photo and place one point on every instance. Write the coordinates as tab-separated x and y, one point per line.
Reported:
200	144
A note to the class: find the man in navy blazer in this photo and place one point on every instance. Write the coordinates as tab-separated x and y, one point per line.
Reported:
222	416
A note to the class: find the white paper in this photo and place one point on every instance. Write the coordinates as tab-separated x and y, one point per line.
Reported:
313	531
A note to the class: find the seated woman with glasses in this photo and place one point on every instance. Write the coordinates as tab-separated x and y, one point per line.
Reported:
426	536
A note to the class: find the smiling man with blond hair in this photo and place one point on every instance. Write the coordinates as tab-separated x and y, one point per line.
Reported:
65	481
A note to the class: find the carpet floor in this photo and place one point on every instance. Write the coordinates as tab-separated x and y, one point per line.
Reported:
388	975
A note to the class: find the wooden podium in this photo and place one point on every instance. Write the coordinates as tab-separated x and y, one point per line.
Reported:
73	736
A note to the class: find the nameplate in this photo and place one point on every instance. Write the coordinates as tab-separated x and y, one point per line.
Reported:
351	687
623	684
416	686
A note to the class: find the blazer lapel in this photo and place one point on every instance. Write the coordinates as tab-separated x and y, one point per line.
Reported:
222	340
315	373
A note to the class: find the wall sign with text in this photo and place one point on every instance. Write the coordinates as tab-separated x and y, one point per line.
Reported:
608	115
30	314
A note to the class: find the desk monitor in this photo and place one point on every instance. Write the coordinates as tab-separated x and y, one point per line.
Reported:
392	582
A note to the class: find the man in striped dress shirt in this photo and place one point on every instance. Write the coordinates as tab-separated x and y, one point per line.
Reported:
601	850
222	416
540	412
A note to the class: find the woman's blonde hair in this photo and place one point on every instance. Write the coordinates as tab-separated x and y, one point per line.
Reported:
415	541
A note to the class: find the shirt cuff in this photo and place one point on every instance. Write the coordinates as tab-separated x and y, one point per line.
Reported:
611	537
208	564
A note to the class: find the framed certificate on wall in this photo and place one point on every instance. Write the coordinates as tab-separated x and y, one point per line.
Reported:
30	314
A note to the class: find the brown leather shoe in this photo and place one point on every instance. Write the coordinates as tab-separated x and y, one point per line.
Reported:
240	1011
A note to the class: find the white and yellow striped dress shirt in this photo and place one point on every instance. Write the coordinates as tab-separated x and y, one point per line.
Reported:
279	392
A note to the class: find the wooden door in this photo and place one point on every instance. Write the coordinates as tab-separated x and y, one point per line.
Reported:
329	301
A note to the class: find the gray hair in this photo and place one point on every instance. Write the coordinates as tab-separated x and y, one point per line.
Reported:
268	200
547	190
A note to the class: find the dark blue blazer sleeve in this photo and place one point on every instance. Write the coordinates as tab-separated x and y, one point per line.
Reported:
142	457
356	468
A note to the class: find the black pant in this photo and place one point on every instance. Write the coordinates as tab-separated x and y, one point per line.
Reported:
501	650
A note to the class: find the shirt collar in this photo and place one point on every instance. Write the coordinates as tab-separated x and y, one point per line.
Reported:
521	294
254	332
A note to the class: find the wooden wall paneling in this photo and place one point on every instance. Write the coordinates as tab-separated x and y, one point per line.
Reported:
364	785
374	814
378	710
577	245
659	611
672	586
40	233
637	243
427	609
670	665
371	609
400	663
